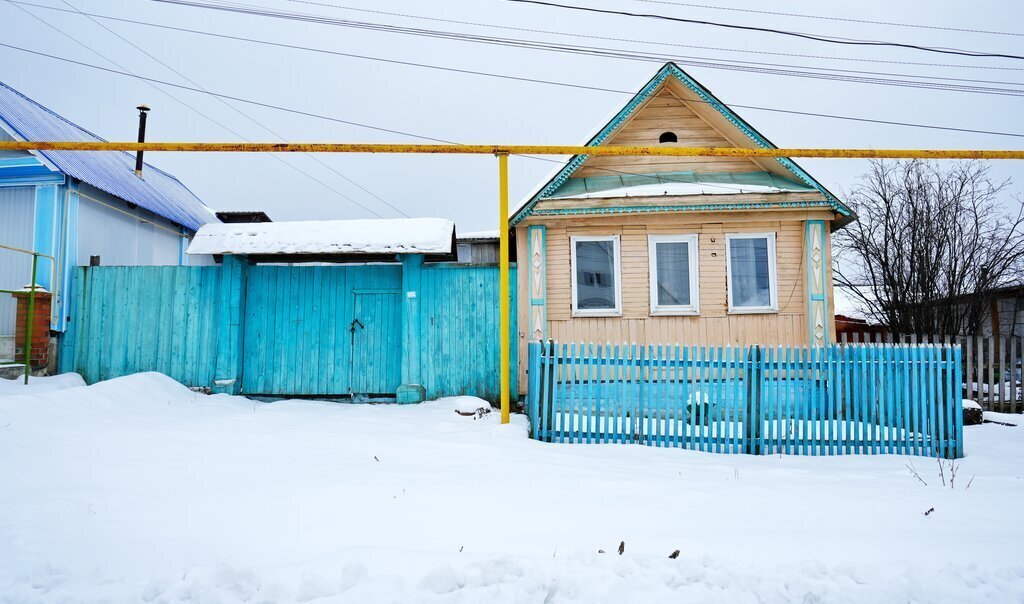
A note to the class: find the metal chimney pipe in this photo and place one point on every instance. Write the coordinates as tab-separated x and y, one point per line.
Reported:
143	110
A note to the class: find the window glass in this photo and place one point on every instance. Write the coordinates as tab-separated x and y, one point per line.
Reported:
749	267
595	275
673	262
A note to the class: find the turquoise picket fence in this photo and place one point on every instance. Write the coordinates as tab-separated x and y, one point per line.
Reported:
850	399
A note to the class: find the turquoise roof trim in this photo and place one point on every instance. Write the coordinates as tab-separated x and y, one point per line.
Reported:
703	207
673	70
596	184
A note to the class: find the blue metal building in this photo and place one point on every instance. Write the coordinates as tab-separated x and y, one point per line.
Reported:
75	205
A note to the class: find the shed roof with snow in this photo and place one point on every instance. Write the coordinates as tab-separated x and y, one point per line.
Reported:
329	240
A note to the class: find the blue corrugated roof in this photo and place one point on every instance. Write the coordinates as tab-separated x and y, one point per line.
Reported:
110	171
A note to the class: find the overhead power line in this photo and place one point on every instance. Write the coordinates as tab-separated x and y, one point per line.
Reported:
831	18
153	83
747	66
760	52
516	78
794	34
248	117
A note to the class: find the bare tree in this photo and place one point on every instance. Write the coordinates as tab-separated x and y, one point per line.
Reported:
930	244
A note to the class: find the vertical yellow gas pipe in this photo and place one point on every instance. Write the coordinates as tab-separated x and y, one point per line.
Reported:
503	282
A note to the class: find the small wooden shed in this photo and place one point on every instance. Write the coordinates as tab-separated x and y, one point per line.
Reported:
677	250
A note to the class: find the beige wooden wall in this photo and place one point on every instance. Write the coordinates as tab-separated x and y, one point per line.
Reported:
714	325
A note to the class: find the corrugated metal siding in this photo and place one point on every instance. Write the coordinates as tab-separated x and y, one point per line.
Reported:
460	352
127	319
111	171
122	237
17	217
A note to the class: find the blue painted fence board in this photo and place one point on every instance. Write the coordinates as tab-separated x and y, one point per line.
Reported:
143	318
296	327
801	401
459	320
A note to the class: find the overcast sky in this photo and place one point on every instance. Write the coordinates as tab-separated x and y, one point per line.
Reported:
474	109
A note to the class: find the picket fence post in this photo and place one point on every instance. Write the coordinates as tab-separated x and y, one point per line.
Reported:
752	427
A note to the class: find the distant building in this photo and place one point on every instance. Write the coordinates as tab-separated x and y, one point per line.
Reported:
77	206
481	247
249	216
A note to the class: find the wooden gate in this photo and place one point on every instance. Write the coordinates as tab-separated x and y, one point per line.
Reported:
295	326
375	366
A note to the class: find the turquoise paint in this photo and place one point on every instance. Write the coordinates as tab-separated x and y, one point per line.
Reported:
597	184
877	399
542	301
810	273
47	231
411	390
27	170
285	330
704	207
127	319
673	70
230	324
68	257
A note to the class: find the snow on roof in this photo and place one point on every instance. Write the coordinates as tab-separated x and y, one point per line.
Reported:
674	188
848	303
110	171
479	235
384	236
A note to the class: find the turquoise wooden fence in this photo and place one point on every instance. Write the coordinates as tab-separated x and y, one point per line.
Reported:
127	319
296	333
855	399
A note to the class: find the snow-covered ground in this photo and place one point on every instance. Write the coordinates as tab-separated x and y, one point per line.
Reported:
138	489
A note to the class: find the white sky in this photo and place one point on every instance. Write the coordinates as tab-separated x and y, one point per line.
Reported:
474	109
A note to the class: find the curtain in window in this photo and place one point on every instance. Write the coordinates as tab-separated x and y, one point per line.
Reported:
750	273
673	261
595	275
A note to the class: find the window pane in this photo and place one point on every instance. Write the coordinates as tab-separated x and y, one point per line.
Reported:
595	275
673	261
749	258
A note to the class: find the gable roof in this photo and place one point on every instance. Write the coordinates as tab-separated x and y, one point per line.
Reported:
110	171
670	70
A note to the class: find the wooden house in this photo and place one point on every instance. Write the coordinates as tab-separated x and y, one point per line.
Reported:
677	250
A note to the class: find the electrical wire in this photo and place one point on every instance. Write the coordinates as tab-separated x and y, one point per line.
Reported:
248	117
747	66
152	83
516	78
829	18
658	43
795	34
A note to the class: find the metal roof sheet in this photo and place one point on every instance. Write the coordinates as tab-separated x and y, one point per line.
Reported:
110	171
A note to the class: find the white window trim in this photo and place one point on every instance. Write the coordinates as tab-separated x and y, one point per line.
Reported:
603	312
773	282
652	257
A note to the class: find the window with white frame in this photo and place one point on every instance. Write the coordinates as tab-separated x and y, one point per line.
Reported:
750	262
673	264
596	282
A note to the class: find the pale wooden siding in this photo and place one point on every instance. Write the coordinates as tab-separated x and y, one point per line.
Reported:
666	112
714	326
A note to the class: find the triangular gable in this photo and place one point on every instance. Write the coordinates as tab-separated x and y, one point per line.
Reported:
654	85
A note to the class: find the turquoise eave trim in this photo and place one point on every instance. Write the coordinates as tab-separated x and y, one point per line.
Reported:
704	207
26	170
597	184
671	69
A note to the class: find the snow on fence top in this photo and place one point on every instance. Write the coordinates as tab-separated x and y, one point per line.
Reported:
385	236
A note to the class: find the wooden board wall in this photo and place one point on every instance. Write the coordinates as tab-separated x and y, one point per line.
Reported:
714	325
